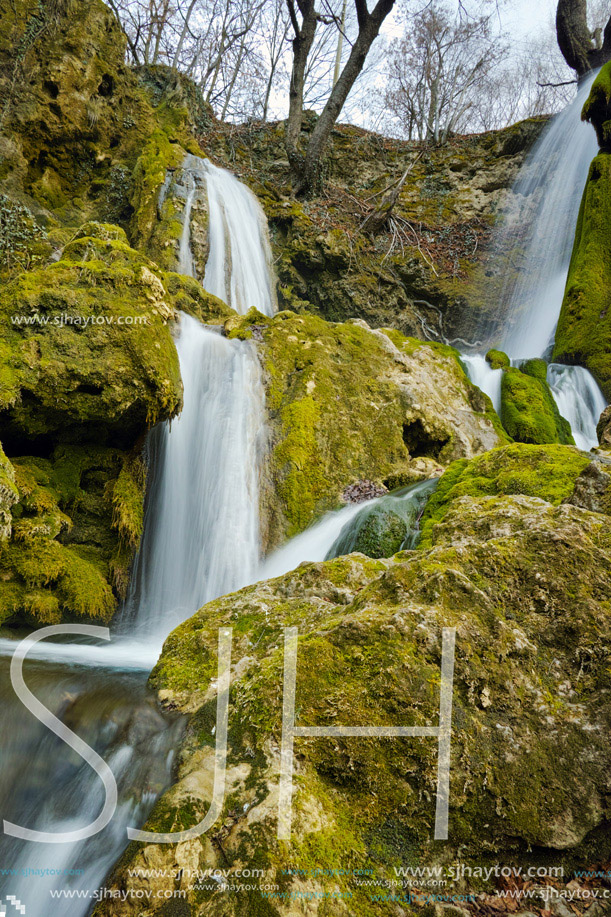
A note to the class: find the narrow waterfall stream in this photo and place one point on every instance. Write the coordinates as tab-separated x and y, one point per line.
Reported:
538	236
201	540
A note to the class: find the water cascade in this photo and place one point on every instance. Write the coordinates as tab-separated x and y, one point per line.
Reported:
200	540
538	237
337	532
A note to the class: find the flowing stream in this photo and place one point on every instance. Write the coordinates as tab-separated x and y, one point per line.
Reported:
536	240
201	540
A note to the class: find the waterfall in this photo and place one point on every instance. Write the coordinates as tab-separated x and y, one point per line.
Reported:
201	531
579	399
549	189
337	532
487	379
536	242
200	540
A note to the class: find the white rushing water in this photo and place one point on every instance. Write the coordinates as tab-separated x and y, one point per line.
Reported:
538	238
553	177
201	532
337	531
579	400
487	379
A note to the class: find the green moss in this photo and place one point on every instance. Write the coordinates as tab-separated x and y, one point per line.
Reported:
87	350
189	296
597	108
548	472
348	404
528	411
128	502
497	359
583	335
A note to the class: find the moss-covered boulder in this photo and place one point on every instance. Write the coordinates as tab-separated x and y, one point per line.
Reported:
583	334
597	109
347	403
525	584
529	413
86	349
496	359
548	472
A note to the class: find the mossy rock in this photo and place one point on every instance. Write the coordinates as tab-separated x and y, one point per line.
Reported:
347	403
76	523
189	296
525	585
597	108
380	533
546	472
87	351
497	359
528	411
583	335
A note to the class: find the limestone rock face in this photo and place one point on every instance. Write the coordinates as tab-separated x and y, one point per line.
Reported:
525	584
346	403
603	428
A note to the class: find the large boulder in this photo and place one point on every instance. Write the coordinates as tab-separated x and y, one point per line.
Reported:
525	584
346	403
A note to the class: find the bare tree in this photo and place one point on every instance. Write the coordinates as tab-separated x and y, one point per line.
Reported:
305	167
584	48
440	70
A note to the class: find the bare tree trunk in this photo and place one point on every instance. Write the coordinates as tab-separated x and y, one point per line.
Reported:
575	40
302	44
183	34
306	173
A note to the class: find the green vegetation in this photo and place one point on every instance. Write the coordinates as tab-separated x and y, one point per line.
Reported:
497	359
597	109
347	403
547	472
583	334
528	411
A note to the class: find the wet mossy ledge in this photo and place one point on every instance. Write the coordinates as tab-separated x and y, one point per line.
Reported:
520	571
347	403
583	335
